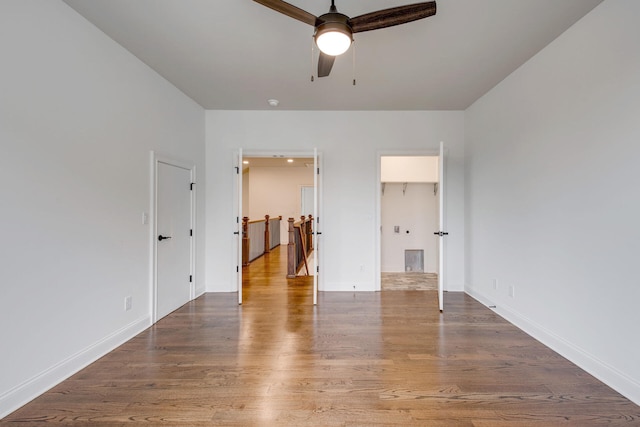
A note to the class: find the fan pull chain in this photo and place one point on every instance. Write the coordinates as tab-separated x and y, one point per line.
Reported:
312	53
354	62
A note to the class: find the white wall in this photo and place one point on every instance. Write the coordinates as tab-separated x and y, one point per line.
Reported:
416	211
409	169
349	149
276	191
552	195
78	118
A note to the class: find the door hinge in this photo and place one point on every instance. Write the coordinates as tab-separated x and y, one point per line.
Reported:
237	269
190	278
191	232
237	170
318	171
191	186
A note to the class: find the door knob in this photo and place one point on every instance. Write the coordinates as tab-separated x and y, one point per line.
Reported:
161	237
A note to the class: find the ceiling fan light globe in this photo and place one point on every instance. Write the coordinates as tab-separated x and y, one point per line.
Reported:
333	43
333	36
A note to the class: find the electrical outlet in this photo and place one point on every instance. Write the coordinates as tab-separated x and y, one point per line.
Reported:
127	303
512	291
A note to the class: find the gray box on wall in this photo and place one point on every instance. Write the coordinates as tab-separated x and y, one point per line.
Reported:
414	260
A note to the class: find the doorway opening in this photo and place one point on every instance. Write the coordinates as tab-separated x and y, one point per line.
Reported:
280	186
409	214
407	168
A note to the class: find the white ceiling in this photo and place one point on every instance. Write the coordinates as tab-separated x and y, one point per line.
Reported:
236	54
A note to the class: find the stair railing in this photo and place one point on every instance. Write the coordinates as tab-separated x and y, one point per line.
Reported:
300	245
259	237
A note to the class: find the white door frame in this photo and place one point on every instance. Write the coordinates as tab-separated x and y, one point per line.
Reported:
378	222
442	224
317	230
237	214
238	223
157	158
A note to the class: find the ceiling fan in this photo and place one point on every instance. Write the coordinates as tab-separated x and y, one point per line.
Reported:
334	31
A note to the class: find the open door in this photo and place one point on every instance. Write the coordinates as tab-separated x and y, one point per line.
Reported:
441	227
316	226
238	230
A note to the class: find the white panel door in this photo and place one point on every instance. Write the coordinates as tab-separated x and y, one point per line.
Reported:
173	240
308	200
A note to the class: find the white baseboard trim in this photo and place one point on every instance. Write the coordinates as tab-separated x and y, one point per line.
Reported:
606	373
22	394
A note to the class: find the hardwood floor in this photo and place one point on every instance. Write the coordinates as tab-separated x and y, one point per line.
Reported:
356	359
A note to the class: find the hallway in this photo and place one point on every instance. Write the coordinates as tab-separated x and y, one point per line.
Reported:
264	282
356	359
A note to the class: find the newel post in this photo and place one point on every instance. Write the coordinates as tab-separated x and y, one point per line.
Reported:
267	235
291	252
245	241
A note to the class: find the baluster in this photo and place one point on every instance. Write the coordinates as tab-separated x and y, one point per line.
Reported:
245	241
304	238
310	245
291	251
305	235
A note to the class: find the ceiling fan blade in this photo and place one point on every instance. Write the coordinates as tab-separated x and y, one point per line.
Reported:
289	10
325	63
392	16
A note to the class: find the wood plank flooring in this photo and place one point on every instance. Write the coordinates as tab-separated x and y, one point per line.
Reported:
357	359
410	281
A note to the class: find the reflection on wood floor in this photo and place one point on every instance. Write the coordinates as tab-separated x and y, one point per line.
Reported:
356	359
